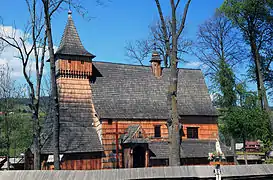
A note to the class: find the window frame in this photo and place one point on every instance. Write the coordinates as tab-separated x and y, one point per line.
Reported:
193	132
157	131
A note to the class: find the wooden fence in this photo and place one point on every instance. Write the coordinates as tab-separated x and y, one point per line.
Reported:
182	172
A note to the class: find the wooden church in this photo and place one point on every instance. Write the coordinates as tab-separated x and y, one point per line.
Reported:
114	115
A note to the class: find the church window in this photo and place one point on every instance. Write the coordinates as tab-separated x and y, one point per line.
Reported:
157	131
192	132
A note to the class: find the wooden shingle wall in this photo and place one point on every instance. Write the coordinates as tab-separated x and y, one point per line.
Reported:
76	111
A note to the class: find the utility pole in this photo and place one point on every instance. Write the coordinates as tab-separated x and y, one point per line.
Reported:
117	144
116	134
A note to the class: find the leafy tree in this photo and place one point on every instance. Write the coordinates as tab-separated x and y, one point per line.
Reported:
226	80
247	99
254	19
219	48
7	91
20	133
267	71
247	123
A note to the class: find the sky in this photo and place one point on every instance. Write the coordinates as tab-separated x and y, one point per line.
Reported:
106	28
111	25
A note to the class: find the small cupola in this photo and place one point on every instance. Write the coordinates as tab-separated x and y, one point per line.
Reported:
156	64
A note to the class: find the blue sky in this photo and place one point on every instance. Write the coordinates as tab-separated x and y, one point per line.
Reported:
113	24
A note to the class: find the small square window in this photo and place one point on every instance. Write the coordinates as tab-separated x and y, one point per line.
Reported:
69	61
110	121
157	131
192	132
82	62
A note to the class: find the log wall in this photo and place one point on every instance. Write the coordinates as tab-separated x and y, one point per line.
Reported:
90	161
205	132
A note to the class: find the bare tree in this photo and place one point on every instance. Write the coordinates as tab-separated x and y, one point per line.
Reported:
218	40
1	47
141	50
36	39
7	92
138	50
171	45
49	8
166	35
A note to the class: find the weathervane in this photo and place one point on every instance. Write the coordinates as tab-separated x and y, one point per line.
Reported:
69	7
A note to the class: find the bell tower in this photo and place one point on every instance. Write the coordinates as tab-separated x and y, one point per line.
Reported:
73	73
72	59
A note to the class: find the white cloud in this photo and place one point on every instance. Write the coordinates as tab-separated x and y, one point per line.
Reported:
10	55
194	64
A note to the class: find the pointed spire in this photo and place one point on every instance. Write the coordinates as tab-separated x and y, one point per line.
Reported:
71	43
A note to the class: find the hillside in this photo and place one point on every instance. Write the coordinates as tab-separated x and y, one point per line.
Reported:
19	125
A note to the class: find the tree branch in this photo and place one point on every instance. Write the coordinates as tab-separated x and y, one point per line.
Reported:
182	25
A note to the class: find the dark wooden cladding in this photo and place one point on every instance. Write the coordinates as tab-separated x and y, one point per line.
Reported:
88	164
78	161
199	119
74	69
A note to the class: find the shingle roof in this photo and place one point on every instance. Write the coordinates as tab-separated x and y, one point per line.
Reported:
71	43
129	91
75	140
190	149
76	131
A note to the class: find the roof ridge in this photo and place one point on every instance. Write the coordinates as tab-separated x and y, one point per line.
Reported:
138	65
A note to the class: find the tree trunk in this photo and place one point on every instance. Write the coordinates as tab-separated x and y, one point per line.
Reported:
175	127
54	94
175	139
233	149
260	83
36	139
